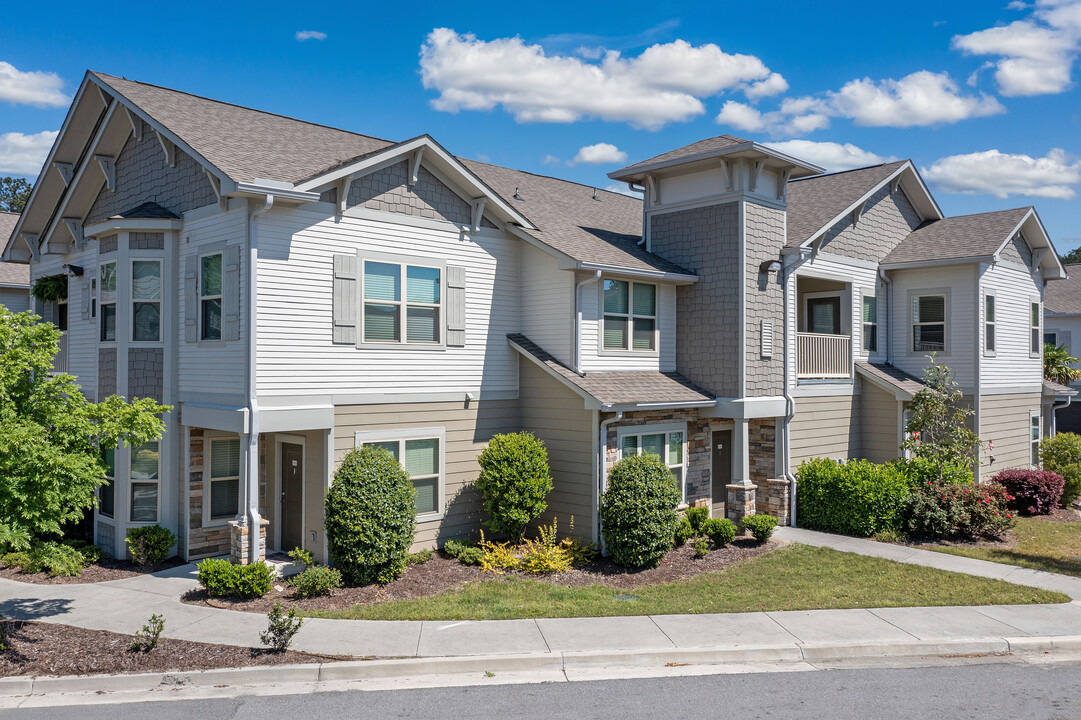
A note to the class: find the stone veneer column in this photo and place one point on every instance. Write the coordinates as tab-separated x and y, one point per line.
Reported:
741	503
741	493
239	547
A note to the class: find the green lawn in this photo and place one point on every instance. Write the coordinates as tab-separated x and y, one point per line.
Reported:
1042	545
796	577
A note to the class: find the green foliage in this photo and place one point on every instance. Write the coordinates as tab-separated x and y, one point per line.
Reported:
14	194
1058	365
638	511
696	516
50	557
544	555
50	288
919	471
370	516
281	627
149	544
1071	258
938	424
52	437
720	531
1062	454
853	498
91	553
301	556
148	638
760	525
419	558
890	536
515	480
315	581
684	532
222	578
466	552
701	548
945	510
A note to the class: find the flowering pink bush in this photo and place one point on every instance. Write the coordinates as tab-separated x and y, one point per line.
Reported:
949	510
1036	492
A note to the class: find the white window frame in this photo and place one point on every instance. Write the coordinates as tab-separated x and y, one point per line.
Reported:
403	262
102	302
208	442
1035	423
132	482
112	484
1035	331
1052	333
991	325
666	429
863	323
220	297
429	433
929	292
160	301
630	317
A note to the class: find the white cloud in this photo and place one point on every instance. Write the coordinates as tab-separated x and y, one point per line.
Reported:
303	35
830	155
1035	55
796	116
600	154
1001	174
550	160
775	84
622	190
31	88
661	85
922	98
25	154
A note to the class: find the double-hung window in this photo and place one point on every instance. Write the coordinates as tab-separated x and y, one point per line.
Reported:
870	323
144	483
1050	338
385	303
929	323
630	315
107	301
664	442
223	467
420	454
106	502
210	294
1034	438
989	323
1034	320
146	300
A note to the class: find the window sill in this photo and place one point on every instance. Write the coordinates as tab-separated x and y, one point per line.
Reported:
429	517
629	353
214	524
408	347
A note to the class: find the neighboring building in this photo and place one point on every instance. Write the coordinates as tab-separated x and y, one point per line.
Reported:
293	291
14	277
1062	326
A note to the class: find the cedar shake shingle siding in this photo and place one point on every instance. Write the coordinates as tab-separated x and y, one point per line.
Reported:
388	189
764	376
814	202
146	373
887	219
106	372
1017	251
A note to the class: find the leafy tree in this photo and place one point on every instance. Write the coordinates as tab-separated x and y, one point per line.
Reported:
938	428
14	192
1058	365
51	436
1071	258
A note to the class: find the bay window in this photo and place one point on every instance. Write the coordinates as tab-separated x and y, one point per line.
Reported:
146	300
144	483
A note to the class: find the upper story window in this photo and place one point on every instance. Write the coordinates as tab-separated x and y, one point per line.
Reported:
630	315
146	300
144	483
929	323
1050	338
989	323
210	295
385	303
107	301
870	323
106	501
664	442
1035	347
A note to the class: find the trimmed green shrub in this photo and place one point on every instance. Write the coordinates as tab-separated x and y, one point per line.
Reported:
370	517
466	552
950	510
701	548
684	532
638	511
149	545
919	471
515	480
696	516
1062	454
281	628
418	558
851	498
315	581
222	578
300	556
91	553
720	530
760	525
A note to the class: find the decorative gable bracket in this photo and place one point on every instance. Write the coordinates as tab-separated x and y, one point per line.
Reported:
782	184
343	192
108	169
857	212
756	173
31	240
136	123
66	170
478	212
895	185
654	189
414	165
75	227
215	185
168	148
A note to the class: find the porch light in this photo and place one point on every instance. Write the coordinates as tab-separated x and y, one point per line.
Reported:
770	266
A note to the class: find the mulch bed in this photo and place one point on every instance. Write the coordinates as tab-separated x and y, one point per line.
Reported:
38	648
103	571
1063	515
1006	541
441	574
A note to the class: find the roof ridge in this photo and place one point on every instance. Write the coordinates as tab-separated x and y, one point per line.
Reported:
850	170
548	177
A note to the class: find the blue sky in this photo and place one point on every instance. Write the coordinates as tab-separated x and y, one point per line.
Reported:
980	95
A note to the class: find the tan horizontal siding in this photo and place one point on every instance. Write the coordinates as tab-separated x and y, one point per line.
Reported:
1004	420
825	427
879	434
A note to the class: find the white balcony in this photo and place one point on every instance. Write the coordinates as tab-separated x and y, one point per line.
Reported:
823	357
60	362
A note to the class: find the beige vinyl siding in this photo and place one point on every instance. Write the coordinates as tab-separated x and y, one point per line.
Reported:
547	302
556	415
879	434
467	432
1011	365
1004	420
825	427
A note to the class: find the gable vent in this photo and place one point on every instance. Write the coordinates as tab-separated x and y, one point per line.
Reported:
767	339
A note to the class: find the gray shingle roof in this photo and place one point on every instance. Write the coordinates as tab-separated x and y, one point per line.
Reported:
695	148
619	388
604	231
150	210
814	201
11	273
1053	388
244	143
889	375
958	237
1064	296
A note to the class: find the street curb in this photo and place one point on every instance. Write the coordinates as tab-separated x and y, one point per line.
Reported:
359	670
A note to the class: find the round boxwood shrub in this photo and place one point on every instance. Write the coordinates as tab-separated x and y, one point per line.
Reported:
638	511
515	480
720	531
760	525
370	516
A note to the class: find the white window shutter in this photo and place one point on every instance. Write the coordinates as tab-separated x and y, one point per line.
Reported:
455	306
191	299
86	300
767	339
230	293
345	299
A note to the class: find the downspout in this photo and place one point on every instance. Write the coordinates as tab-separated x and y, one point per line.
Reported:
251	491
602	476
1054	406
578	318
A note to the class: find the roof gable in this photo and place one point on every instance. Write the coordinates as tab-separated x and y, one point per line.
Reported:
1064	298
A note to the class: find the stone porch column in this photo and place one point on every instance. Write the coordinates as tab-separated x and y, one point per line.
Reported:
741	493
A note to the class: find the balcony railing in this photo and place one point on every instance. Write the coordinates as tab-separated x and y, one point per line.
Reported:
823	356
60	362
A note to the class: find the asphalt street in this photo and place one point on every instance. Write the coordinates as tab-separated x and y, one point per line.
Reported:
985	691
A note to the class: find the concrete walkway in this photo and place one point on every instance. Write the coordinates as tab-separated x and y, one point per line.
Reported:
124	605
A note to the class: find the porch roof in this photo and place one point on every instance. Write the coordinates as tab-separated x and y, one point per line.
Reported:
1056	389
903	385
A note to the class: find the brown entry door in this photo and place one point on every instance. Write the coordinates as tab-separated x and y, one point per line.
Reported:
722	468
292	511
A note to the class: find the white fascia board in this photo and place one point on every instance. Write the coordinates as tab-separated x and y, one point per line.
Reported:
137	224
748	408
926	191
591	403
431	148
295	419
631	407
916	264
14	286
1032	218
215	417
748	146
566	262
279	191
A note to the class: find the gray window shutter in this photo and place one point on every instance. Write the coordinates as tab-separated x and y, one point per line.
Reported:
86	300
191	299
455	306
345	299
230	294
